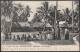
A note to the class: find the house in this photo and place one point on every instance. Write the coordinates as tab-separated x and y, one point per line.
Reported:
20	27
26	27
40	26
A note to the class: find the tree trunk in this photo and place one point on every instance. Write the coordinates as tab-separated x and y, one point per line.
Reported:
72	17
55	20
11	16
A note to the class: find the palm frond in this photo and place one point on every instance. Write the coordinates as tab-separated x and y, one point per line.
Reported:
40	11
41	8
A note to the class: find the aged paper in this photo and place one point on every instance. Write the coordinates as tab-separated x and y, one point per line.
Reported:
39	26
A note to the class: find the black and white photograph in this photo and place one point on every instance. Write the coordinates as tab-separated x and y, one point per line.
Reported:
36	24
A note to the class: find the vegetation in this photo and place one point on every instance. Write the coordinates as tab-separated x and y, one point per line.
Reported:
22	13
7	13
68	16
45	13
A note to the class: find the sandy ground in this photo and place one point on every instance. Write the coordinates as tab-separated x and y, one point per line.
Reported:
54	45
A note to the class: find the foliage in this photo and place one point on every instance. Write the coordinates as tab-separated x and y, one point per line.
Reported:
37	18
45	10
6	8
22	13
67	15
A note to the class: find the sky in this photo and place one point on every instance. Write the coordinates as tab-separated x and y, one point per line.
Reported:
35	4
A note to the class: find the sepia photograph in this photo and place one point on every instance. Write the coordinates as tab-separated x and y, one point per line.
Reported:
40	25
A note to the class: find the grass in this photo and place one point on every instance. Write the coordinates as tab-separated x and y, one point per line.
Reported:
56	42
15	43
44	42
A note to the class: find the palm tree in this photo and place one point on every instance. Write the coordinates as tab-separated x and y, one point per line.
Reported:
67	15
76	15
22	12
45	11
27	12
7	11
37	18
49	14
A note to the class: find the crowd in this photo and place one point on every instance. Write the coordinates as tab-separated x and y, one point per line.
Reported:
32	37
40	36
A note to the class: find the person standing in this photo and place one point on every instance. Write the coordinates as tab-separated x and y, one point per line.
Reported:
66	34
25	38
58	29
14	37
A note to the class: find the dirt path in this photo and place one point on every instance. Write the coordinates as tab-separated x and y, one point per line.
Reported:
75	40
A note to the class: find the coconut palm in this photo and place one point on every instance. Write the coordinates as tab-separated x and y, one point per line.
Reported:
45	11
37	18
67	15
49	14
28	11
23	12
7	11
76	14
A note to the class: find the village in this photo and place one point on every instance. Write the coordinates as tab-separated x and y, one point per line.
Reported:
48	25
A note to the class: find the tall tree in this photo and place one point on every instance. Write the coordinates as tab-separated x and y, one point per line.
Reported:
23	12
67	15
37	18
45	11
76	14
7	11
27	12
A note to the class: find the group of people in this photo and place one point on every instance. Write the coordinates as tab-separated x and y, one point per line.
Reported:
31	37
41	36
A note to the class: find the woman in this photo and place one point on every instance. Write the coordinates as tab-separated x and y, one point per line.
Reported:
66	34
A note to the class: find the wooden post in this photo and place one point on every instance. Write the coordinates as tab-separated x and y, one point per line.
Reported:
72	17
55	19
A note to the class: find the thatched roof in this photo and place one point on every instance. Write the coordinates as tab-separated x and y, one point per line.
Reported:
21	24
41	24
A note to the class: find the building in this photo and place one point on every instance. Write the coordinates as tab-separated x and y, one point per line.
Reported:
26	27
20	27
40	26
